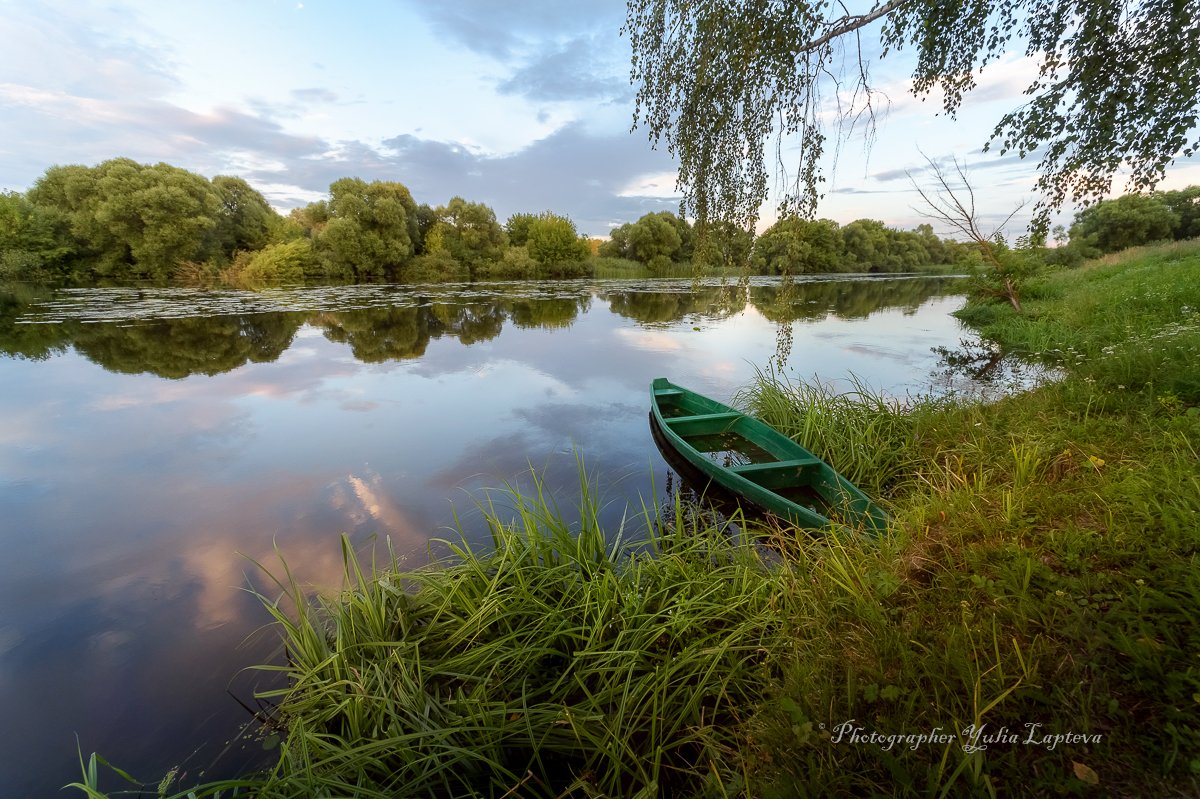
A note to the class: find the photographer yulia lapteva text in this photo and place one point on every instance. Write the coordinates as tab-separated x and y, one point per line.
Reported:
973	738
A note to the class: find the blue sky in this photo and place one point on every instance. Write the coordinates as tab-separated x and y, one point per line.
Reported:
525	106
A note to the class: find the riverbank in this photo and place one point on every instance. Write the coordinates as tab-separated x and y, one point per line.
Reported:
1029	627
1043	577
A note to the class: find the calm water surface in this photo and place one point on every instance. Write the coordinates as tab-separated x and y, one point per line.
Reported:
153	442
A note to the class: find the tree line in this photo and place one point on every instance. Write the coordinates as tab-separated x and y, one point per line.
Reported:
1129	221
121	220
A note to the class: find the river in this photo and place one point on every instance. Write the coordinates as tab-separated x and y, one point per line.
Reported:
156	443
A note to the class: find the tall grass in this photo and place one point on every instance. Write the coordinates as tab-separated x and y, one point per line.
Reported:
1046	559
556	662
867	436
605	267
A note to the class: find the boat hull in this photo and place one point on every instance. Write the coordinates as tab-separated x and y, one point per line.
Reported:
754	461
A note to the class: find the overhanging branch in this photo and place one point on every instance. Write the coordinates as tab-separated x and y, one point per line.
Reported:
851	23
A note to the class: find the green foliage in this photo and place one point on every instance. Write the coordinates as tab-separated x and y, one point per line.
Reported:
246	221
517	228
468	232
604	266
289	262
862	433
999	272
1048	548
653	240
1117	87
553	241
1003	273
123	219
617	246
871	246
35	241
867	244
1135	220
1069	255
426	218
133	219
794	246
435	265
516	264
312	218
567	269
722	244
560	661
656	239
288	228
370	229
1185	204
1127	322
1128	221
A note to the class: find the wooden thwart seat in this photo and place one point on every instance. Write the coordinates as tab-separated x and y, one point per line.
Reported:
702	424
702	417
779	474
751	469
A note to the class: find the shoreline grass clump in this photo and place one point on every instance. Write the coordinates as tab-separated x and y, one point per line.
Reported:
557	662
867	436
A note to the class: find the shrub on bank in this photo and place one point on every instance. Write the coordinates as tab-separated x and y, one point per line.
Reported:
434	267
288	262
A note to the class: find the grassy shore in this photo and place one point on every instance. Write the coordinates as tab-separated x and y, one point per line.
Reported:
1031	626
1044	569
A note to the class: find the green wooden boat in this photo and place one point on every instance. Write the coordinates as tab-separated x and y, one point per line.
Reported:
754	460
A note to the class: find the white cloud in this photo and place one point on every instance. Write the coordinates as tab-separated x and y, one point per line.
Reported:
658	185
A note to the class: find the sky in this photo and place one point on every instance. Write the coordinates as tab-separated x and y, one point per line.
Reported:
524	105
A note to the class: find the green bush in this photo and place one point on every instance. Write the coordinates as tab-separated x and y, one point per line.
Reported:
433	267
1129	221
553	241
290	262
22	265
515	264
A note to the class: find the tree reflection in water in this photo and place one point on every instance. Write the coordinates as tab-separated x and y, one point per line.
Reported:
387	323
